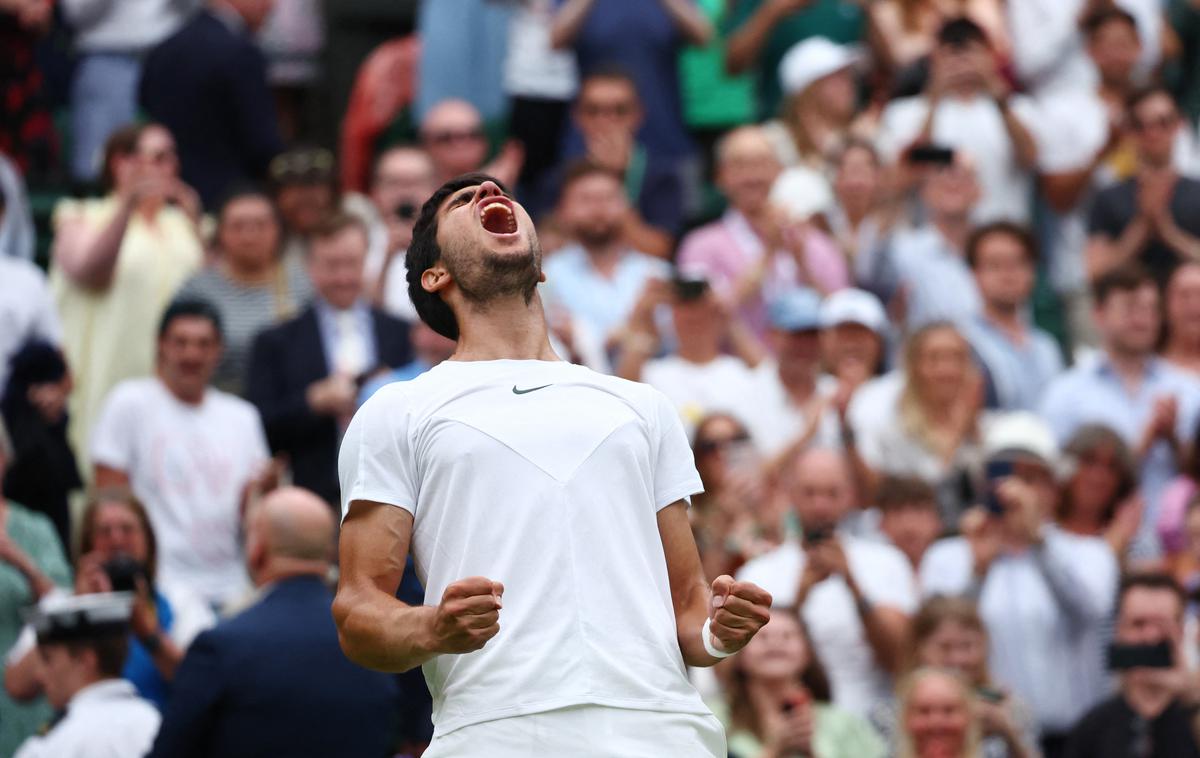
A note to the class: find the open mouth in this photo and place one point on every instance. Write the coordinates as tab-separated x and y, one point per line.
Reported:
498	218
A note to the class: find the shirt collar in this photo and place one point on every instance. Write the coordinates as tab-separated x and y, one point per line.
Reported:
327	311
1151	370
105	689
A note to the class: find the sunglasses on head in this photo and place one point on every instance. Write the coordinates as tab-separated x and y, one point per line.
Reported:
450	136
709	446
307	164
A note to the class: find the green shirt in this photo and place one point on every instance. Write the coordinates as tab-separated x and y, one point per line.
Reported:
35	535
842	21
711	97
836	734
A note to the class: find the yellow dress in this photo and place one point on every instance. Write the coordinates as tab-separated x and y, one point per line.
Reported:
110	335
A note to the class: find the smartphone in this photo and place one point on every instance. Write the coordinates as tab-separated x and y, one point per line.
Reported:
689	288
994	473
816	534
932	155
1123	657
123	573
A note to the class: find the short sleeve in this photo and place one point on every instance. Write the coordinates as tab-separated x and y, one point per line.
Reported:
675	475
113	438
887	579
376	462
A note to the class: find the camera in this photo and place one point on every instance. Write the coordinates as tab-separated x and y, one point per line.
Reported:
123	572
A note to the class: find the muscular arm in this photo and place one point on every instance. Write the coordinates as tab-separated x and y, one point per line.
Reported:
380	632
742	613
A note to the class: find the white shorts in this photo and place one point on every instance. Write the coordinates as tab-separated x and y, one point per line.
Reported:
587	731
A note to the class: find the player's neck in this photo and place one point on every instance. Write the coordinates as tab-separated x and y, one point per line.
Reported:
508	329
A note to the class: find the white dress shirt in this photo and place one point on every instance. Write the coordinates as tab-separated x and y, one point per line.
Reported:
103	719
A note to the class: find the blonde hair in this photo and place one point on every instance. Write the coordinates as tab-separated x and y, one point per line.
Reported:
914	419
904	697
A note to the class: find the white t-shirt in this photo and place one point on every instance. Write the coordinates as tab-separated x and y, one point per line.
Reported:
975	126
548	477
189	465
774	421
106	718
26	310
696	389
837	633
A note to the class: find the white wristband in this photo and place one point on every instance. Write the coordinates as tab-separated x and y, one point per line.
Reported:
709	647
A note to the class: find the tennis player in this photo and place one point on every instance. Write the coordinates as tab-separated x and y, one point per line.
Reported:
546	509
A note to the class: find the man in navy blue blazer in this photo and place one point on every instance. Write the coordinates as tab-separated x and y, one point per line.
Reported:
272	680
207	83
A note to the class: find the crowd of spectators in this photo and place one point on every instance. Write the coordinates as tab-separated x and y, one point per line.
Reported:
921	277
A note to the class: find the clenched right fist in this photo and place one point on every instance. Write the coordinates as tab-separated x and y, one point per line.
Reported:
468	616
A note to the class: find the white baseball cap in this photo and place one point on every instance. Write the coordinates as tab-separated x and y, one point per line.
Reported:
854	306
1020	435
813	59
801	192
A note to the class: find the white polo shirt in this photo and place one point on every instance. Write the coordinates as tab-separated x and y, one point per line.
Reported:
545	476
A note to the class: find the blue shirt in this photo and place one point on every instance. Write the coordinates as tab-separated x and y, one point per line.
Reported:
640	37
327	322
139	664
1016	375
1092	393
402	374
463	44
603	304
936	278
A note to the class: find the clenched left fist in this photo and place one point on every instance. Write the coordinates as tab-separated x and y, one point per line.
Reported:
738	611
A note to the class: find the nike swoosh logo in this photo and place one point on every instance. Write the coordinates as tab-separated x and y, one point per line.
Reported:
531	389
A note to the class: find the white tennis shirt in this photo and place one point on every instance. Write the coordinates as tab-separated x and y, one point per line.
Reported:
545	476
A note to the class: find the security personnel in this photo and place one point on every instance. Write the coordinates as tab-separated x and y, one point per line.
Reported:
82	643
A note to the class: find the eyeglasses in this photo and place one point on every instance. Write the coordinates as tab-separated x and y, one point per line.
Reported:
451	136
707	447
612	110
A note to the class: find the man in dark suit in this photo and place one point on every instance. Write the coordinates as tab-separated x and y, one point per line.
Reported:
272	680
305	373
207	83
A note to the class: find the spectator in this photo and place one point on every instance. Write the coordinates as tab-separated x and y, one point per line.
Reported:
903	36
1176	498
1153	406
607	114
819	103
854	330
1019	565
855	596
453	135
34	564
116	262
27	132
236	697
1154	216
82	643
1017	359
305	373
861	214
446	30
429	349
1151	715
764	30
26	309
968	106
696	376
908	516
1099	498
250	286
1182	345
739	515
188	451
597	280
1185	568
937	716
304	186
292	38
791	405
931	431
111	40
207	83
43	470
949	635
746	254
780	702
932	280
646	38
118	552
401	181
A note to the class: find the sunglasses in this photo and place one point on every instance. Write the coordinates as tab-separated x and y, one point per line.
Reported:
301	165
710	446
451	136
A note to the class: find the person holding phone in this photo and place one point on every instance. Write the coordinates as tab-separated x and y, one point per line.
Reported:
1153	713
1043	593
779	701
